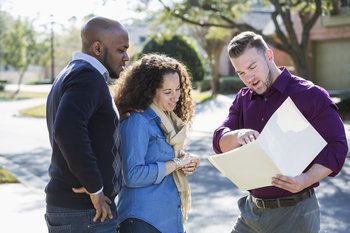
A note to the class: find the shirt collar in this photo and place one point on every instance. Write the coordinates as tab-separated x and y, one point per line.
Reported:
282	80
94	62
150	114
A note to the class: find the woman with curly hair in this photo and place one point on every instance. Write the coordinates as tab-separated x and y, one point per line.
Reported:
155	195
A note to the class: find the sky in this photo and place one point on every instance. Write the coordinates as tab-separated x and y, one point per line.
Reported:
63	10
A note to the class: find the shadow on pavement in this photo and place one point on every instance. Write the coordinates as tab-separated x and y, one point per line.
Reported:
29	167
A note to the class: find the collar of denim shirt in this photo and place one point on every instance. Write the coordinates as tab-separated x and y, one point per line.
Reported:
151	115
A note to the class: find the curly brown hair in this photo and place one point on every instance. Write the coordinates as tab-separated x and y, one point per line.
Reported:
137	85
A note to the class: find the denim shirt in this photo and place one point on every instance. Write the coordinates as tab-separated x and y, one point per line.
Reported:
147	192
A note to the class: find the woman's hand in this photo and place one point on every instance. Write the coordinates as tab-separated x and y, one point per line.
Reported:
190	163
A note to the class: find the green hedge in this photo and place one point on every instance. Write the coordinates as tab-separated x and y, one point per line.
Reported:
2	84
230	84
41	82
343	104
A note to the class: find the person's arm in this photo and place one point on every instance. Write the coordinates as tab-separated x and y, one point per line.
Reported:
236	138
81	98
325	119
223	137
296	184
134	146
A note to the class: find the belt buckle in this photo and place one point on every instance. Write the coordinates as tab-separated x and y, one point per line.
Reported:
257	203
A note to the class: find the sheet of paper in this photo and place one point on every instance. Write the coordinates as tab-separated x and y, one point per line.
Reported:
286	145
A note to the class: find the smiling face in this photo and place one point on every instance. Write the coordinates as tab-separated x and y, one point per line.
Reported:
168	94
253	68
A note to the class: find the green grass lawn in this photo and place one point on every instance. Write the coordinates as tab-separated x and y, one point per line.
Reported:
40	110
36	111
7	95
7	177
200	97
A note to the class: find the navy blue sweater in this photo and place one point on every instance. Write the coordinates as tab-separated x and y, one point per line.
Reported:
82	121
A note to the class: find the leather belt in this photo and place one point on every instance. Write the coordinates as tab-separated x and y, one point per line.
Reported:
283	201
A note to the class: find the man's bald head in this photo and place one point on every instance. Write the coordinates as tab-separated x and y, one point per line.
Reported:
107	41
97	29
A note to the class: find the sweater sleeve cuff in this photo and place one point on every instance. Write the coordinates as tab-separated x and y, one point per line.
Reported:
161	172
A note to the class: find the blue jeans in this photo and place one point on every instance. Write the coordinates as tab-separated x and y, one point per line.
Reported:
64	220
134	225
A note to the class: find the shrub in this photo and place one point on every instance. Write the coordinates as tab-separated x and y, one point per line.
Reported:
205	85
230	84
180	48
2	84
41	82
343	104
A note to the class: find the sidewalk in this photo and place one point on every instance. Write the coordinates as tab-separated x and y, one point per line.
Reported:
214	197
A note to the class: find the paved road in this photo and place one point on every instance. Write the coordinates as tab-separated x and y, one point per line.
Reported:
24	149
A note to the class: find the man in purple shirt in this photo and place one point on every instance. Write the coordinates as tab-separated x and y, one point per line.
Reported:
289	204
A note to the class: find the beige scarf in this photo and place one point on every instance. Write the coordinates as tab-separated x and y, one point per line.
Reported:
176	133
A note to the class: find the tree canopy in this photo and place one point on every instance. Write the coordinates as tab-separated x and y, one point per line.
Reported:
178	47
228	14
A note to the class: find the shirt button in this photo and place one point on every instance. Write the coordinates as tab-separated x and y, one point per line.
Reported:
262	119
265	99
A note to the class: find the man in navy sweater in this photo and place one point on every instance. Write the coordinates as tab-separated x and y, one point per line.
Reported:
85	169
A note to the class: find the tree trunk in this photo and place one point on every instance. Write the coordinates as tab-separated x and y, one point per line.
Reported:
215	69
215	79
301	65
20	80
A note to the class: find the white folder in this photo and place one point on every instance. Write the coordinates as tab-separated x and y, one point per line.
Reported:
287	145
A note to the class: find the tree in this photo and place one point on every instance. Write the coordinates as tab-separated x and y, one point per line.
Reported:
212	40
21	47
180	48
226	14
67	41
5	21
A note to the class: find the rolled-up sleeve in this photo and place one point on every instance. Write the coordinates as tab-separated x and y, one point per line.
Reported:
232	122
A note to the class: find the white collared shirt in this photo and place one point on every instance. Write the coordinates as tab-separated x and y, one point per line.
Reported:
94	62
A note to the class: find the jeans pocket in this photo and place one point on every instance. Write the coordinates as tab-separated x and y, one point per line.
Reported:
56	228
109	225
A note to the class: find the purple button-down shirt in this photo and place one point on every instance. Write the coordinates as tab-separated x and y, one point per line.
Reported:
252	111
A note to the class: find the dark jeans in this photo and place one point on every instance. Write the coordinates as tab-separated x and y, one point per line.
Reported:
134	225
64	220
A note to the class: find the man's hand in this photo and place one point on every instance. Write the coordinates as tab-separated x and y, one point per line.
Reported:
245	136
291	184
236	138
101	204
296	184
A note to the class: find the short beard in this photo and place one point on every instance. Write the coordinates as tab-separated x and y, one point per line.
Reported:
113	75
269	79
